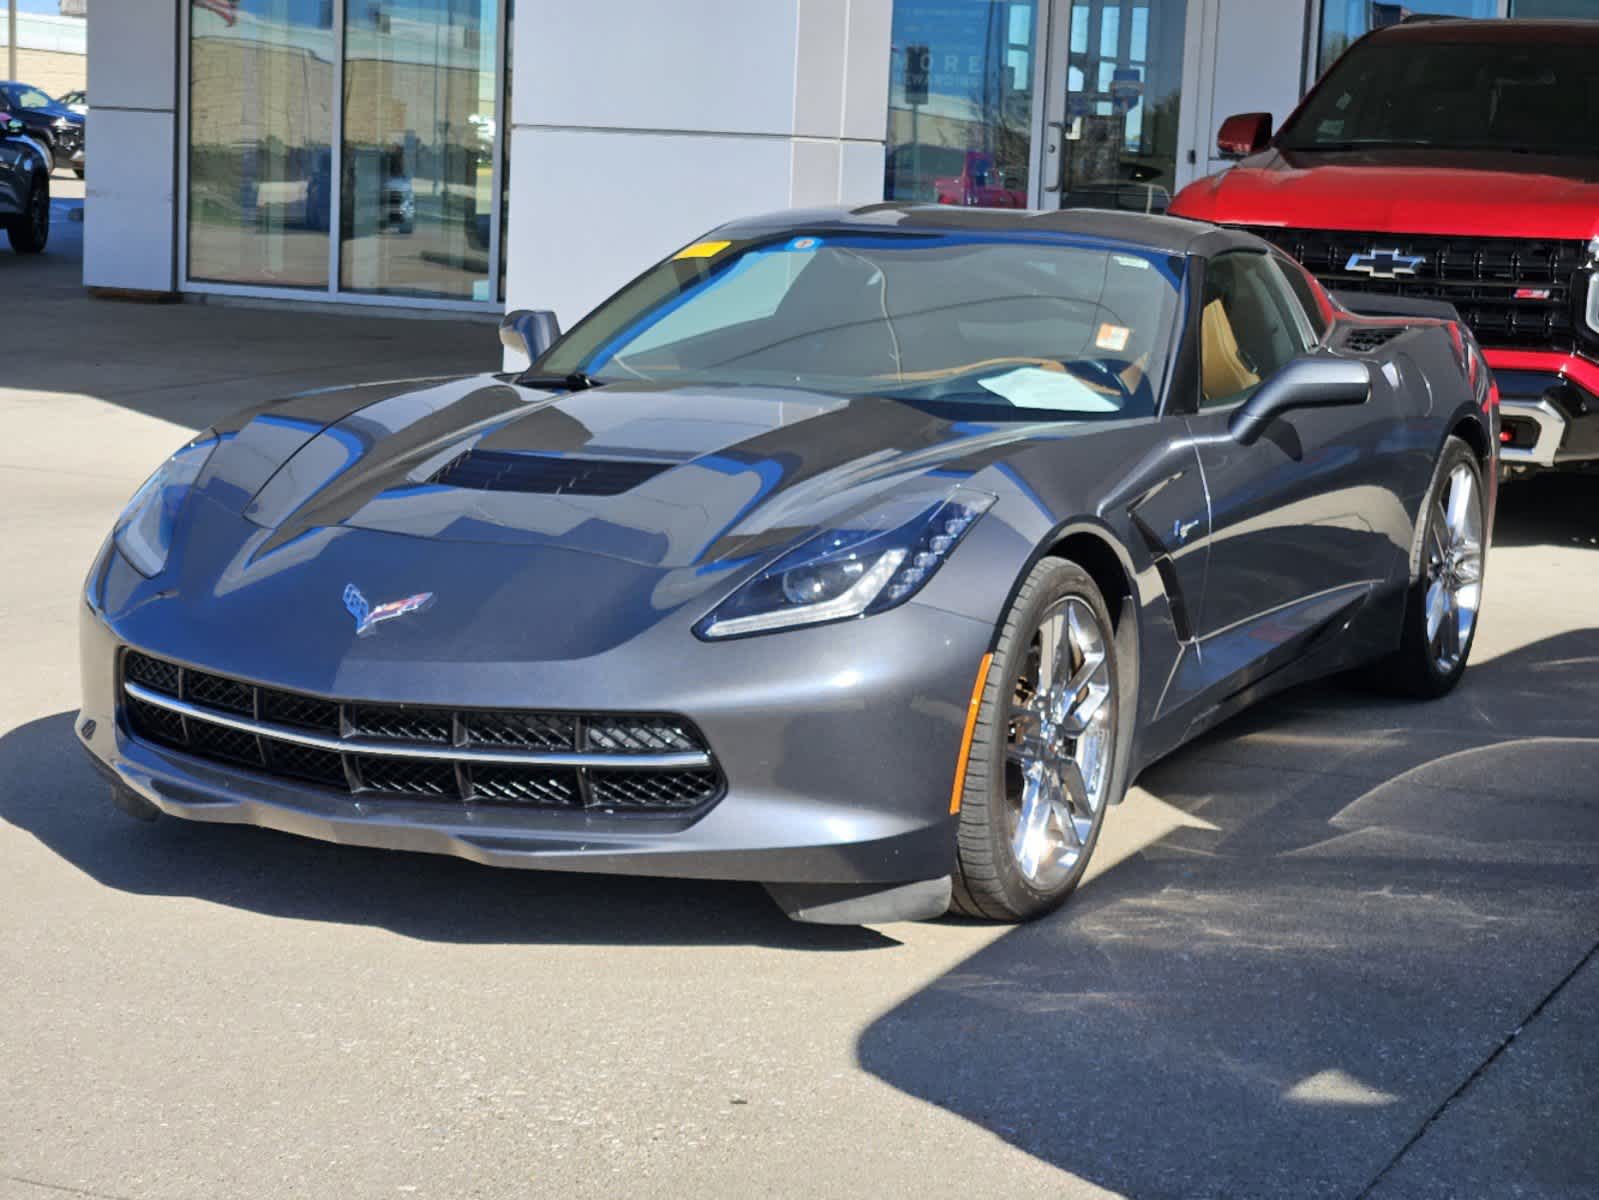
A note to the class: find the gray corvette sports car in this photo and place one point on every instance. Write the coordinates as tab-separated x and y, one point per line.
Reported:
868	555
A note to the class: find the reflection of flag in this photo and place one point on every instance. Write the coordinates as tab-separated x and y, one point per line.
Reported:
228	10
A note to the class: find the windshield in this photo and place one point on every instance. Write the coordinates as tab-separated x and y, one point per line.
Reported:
1528	99
1012	329
31	98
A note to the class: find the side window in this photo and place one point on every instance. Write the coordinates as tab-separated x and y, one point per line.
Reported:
1248	329
1307	292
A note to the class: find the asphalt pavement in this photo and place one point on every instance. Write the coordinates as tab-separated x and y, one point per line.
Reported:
1342	947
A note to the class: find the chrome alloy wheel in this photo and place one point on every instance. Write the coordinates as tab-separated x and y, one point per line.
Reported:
1454	569
1057	768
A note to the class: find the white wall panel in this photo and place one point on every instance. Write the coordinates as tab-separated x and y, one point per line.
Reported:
128	205
133	48
866	79
1259	64
819	67
638	126
620	202
860	175
814	174
722	65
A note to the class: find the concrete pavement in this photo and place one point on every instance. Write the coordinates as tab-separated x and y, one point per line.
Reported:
1341	947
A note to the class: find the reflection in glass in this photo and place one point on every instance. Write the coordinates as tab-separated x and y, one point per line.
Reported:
418	156
1124	87
960	106
260	125
1342	21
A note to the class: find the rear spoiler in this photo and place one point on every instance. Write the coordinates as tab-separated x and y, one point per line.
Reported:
1375	304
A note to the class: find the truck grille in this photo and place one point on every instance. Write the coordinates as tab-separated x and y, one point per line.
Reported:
1511	292
591	762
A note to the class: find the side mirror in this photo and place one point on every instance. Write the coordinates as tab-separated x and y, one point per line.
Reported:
1317	382
1243	134
529	332
10	126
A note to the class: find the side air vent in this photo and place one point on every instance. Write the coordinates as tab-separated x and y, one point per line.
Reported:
1365	340
549	474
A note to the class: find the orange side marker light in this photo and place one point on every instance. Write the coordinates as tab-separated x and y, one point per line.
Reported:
971	728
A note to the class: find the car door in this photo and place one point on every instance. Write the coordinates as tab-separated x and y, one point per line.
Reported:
1294	542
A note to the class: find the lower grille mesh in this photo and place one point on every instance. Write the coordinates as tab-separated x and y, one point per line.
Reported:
273	718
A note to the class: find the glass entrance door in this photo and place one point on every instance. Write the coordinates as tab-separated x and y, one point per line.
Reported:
1112	96
961	113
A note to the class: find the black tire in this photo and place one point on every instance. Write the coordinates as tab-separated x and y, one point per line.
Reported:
30	231
1413	670
988	882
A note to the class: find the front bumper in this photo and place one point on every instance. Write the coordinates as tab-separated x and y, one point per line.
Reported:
837	745
1548	408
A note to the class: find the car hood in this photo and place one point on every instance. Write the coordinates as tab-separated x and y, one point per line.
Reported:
1424	192
659	476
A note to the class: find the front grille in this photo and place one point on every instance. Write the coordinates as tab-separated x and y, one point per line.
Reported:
1481	277
441	754
548	474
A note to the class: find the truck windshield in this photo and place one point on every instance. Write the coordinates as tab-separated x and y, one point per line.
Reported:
1521	98
1015	330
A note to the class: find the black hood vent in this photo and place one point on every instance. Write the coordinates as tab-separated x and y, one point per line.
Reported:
547	474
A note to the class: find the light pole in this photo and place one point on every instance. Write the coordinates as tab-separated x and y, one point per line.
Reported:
11	39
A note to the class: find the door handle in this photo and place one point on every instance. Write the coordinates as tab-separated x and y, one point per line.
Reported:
1060	162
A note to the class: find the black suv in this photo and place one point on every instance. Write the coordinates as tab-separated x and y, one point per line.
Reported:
49	122
24	187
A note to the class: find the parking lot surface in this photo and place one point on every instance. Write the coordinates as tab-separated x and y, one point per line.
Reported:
1340	947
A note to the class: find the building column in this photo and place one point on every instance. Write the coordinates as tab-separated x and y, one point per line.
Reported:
130	197
636	126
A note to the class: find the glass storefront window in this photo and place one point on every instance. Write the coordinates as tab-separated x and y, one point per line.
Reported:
960	106
260	127
1342	21
383	134
419	116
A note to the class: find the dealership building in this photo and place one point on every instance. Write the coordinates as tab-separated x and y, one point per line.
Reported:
474	155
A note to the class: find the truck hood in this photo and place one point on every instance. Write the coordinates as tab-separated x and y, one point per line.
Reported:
1411	191
658	476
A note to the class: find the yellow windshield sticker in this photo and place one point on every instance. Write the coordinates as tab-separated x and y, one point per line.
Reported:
702	250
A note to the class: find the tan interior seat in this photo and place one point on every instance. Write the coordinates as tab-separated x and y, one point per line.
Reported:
1223	371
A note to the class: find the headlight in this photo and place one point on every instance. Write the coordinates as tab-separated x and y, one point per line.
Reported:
144	531
62	123
880	560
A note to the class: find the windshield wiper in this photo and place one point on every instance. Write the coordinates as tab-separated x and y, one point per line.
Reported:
577	381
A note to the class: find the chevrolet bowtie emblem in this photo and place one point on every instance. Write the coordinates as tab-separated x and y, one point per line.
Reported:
368	618
1384	264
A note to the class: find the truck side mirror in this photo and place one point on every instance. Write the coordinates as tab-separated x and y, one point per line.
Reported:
1243	134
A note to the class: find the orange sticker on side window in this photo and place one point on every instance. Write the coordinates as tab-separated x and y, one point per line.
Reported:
702	250
1113	338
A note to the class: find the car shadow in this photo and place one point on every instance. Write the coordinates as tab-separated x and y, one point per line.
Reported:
1310	928
49	790
1555	509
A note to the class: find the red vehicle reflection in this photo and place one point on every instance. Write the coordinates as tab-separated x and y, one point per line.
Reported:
979	185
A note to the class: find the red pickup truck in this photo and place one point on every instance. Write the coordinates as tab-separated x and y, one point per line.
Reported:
1455	161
